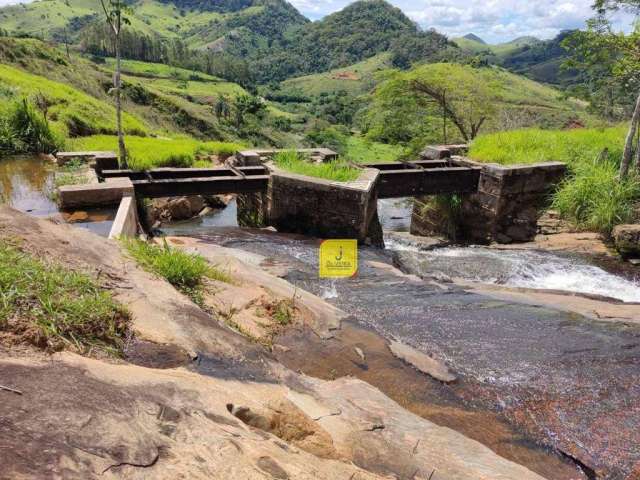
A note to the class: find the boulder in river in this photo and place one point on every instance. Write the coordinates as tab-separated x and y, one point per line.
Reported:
184	208
627	240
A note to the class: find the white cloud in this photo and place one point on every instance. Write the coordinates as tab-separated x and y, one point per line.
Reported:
4	3
493	20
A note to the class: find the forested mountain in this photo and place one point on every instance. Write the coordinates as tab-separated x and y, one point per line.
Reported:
542	61
360	31
242	40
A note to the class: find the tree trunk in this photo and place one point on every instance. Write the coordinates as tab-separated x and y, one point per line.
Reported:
637	161
121	146
627	156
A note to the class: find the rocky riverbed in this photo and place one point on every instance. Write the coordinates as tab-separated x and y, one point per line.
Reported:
222	406
570	381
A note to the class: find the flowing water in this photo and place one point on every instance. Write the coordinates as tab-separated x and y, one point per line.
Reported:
517	268
570	383
528	375
27	184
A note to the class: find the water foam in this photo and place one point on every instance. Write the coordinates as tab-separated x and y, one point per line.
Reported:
525	268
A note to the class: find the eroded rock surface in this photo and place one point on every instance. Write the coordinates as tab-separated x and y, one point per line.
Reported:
86	418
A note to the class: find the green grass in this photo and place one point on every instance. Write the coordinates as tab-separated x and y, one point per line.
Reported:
185	271
24	130
355	79
148	152
44	17
594	199
337	171
535	145
71	173
159	70
56	308
70	111
361	150
591	197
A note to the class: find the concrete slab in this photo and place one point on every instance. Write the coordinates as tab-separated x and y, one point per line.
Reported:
96	194
63	158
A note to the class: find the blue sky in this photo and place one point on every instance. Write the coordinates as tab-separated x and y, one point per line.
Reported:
493	20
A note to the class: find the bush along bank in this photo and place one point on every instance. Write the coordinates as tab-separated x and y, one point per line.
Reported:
25	130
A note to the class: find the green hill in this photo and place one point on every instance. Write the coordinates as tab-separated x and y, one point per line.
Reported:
542	61
157	99
475	45
394	115
241	40
355	79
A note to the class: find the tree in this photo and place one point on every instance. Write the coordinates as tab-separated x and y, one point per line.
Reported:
460	94
115	11
627	64
248	105
222	108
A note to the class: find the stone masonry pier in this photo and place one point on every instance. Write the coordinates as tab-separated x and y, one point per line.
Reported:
312	206
506	207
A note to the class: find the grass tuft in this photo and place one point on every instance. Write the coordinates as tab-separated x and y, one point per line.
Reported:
185	271
54	308
593	197
337	171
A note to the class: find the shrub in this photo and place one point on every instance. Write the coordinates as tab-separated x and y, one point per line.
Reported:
295	163
52	307
595	199
332	137
24	130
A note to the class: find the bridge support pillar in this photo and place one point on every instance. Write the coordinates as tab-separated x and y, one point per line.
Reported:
325	209
505	209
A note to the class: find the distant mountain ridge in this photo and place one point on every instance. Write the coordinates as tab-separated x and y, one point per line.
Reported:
271	36
474	38
271	39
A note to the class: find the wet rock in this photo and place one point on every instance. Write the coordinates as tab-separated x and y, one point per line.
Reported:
550	223
627	240
422	362
423	243
79	216
184	208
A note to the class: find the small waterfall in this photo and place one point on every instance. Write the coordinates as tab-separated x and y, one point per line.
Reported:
517	268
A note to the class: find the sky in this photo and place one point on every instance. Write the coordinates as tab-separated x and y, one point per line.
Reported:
493	20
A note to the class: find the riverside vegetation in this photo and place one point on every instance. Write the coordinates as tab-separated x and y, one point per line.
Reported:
56	308
269	77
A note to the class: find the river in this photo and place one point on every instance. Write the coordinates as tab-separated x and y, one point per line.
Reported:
549	389
27	183
568	383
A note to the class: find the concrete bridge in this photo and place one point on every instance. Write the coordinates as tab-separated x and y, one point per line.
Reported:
269	196
394	180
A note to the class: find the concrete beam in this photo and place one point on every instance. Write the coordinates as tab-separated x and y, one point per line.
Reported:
95	194
125	224
65	157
